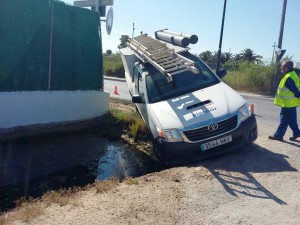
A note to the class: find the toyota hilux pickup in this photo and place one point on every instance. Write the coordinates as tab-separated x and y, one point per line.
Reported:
190	112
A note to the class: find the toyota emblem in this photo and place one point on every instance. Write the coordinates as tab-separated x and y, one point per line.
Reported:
213	127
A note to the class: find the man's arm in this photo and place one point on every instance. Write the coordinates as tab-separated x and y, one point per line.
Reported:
290	84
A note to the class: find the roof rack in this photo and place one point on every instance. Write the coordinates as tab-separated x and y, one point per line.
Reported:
160	55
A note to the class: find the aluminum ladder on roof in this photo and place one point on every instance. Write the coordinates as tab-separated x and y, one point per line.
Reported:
160	55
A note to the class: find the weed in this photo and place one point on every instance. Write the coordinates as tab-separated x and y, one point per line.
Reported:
138	129
26	210
29	211
130	121
106	185
60	197
124	117
130	181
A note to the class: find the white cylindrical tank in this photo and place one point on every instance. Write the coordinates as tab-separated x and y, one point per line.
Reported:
193	39
174	39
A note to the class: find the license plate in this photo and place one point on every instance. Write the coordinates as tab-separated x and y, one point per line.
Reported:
217	142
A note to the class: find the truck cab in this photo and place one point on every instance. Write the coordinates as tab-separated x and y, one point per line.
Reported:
190	115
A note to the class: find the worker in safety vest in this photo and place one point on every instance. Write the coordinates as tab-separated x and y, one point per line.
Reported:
287	97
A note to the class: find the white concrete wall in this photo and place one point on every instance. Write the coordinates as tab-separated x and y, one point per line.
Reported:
42	107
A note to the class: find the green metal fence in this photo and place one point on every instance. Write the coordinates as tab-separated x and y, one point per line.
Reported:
48	45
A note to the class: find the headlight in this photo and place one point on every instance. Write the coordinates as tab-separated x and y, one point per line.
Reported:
245	112
169	135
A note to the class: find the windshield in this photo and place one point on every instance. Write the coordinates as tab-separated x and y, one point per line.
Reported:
161	87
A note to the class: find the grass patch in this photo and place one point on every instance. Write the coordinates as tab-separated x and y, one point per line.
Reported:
138	130
250	77
131	181
106	185
113	65
60	197
26	210
122	119
130	121
29	210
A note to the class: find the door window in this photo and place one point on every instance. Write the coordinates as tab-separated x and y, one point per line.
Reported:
141	88
135	75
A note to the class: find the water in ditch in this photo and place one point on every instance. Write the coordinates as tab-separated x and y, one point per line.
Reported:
33	166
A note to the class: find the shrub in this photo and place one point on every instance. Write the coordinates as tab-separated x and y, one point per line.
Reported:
250	77
130	120
113	65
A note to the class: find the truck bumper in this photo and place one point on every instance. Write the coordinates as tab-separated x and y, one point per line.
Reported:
177	153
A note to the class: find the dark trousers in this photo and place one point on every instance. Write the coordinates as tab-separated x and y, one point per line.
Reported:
288	117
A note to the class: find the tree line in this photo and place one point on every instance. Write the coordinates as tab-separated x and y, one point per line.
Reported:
113	65
211	57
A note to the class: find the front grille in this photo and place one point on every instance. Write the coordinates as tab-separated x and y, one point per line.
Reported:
204	133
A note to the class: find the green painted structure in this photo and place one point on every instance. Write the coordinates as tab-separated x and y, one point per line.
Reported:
46	45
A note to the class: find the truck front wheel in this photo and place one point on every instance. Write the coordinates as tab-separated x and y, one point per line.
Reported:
159	153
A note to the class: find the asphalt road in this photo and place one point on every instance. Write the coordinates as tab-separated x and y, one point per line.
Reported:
110	84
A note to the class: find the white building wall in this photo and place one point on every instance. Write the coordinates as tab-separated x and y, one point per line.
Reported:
29	108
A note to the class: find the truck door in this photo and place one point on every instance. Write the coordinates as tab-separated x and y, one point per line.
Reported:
142	107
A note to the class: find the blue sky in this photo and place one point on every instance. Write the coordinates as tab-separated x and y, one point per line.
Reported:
253	24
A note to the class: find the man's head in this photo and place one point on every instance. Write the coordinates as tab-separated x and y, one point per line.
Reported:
287	66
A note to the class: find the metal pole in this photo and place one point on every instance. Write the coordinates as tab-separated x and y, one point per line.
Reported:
133	30
279	56
282	24
221	37
50	48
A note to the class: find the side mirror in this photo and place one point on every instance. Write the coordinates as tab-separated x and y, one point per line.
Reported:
137	99
222	73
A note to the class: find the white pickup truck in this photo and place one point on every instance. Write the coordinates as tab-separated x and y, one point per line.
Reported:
190	113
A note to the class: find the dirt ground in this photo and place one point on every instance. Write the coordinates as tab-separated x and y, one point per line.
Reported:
259	184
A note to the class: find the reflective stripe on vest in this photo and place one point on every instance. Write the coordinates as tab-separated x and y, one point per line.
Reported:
284	97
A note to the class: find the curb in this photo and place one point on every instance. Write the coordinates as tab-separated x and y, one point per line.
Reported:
114	78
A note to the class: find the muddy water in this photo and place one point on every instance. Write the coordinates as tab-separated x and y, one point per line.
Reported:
31	167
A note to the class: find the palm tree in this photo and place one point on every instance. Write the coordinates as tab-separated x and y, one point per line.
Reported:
123	39
108	52
226	56
206	56
248	55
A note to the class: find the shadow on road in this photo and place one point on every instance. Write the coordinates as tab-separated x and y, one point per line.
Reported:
234	171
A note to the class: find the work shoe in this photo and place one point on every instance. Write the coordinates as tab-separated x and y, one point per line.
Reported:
294	138
272	137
